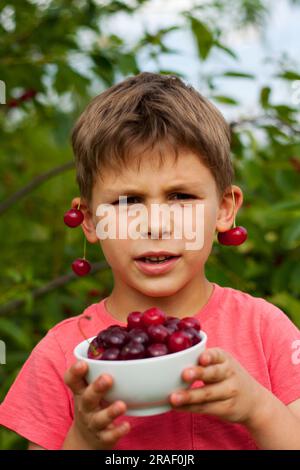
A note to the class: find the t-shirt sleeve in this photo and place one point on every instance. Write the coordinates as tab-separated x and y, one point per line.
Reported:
281	342
37	406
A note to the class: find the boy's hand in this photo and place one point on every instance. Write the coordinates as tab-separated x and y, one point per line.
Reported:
229	391
93	426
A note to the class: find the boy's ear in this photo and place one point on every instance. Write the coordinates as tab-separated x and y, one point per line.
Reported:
227	211
88	225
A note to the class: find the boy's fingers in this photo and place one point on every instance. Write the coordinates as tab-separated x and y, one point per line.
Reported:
209	374
198	396
212	356
94	393
109	437
103	419
74	377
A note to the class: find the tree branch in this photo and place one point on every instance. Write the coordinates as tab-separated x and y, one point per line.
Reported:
52	285
38	180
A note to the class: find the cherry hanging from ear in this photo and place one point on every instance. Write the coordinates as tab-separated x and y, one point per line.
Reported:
236	235
73	218
81	267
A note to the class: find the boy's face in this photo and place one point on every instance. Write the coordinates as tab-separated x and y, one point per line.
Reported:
151	185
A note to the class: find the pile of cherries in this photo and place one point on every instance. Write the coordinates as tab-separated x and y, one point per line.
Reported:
148	334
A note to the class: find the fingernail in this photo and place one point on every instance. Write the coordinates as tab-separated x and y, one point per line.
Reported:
103	381
177	399
190	374
206	357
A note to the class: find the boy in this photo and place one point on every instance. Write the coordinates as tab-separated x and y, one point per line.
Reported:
155	140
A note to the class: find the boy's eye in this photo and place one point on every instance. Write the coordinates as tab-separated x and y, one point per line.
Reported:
130	200
183	196
136	199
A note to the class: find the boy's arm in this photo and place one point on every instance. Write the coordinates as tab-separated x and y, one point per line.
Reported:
277	426
295	408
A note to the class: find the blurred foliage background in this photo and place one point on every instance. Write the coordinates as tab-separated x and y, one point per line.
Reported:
40	47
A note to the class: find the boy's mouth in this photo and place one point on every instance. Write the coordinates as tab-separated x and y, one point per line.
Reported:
159	260
155	263
156	258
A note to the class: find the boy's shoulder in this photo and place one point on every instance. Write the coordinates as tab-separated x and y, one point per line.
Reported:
244	303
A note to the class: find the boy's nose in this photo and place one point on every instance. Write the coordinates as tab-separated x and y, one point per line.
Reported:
159	223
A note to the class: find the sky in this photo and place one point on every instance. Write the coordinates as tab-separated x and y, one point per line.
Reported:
258	51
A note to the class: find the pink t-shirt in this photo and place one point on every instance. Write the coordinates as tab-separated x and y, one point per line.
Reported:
40	407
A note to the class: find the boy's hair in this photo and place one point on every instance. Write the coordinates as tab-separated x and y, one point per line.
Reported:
135	115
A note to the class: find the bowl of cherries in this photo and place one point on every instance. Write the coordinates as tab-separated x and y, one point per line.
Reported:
145	358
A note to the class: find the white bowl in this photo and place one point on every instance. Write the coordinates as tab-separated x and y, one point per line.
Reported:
143	384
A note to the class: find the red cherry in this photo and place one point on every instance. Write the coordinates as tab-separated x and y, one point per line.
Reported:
172	324
158	333
94	293
28	94
73	218
81	267
157	349
13	103
234	236
153	316
134	320
139	335
193	334
110	354
189	322
132	350
179	341
117	338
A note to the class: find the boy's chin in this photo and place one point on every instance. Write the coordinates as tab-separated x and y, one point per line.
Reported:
159	287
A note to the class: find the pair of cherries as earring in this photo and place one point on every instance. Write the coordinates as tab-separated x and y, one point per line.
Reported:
73	218
236	235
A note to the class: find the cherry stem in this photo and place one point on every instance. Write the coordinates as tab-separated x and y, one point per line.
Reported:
83	334
84	248
234	225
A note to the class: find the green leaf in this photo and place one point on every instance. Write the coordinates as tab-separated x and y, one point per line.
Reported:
291	234
238	75
265	96
204	37
127	64
285	206
225	100
104	68
289	75
11	330
68	80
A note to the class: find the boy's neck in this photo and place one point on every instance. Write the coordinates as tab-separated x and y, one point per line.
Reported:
184	303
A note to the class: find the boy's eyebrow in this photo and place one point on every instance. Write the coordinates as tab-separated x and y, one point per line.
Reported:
187	186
